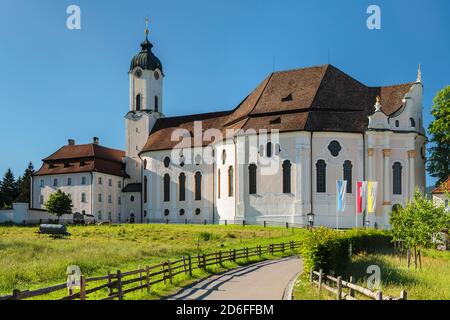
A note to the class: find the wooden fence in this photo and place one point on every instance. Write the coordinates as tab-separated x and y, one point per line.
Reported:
116	285
336	286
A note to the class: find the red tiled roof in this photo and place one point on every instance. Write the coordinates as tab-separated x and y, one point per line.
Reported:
319	98
445	186
84	158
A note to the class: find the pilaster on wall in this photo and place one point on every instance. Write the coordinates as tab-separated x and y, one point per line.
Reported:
386	186
241	171
412	172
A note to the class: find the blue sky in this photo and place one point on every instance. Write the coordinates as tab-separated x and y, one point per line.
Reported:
57	83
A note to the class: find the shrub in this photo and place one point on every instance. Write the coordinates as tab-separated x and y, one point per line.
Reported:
328	249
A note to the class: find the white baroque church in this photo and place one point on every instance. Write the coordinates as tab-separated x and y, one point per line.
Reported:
322	126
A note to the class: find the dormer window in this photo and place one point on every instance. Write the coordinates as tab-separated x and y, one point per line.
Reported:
397	123
138	102
287	98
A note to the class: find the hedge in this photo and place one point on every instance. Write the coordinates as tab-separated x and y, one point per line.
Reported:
328	249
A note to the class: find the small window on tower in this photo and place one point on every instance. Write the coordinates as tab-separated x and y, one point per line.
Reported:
156	104
138	102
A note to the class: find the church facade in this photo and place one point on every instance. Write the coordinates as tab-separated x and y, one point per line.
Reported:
275	157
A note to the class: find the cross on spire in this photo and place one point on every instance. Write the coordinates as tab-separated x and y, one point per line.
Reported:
147	31
419	75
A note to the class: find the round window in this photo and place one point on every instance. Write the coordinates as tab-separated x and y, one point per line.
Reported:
132	198
335	148
198	211
156	74
182	212
166	212
166	162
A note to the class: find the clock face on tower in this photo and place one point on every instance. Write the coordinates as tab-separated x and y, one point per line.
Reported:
138	73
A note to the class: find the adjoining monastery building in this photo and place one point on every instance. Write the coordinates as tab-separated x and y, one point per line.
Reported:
330	127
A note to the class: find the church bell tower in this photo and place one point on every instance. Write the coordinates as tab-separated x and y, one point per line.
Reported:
145	104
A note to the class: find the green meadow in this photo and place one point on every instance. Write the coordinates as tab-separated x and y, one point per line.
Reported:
29	261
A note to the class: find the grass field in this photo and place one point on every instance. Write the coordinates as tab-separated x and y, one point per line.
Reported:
430	283
29	261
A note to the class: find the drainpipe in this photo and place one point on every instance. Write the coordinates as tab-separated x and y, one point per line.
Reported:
92	194
311	173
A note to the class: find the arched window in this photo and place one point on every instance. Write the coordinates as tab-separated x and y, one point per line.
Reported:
348	175
83	197
230	181
182	186
269	149
252	178
166	187
145	189
156	104
287	176
198	186
321	176
218	184
413	122
224	157
397	178
138	102
397	123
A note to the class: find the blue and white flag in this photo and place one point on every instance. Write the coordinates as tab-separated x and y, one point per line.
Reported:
341	187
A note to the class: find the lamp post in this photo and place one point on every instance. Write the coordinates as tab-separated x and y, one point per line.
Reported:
310	217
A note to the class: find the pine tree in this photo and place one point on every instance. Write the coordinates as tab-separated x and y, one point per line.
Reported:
24	184
8	188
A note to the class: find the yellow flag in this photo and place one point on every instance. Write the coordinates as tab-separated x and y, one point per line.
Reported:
371	196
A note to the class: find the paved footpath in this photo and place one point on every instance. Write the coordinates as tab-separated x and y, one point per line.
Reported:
267	280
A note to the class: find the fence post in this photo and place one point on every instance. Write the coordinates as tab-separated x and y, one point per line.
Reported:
15	294
260	251
169	267
287	225
339	288
220	258
234	255
379	295
352	292
110	289
403	295
140	277
205	222
243	223
147	271
184	265
282	247
119	285
204	261
190	265
226	223
185	221
320	280
264	223
311	275
82	288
